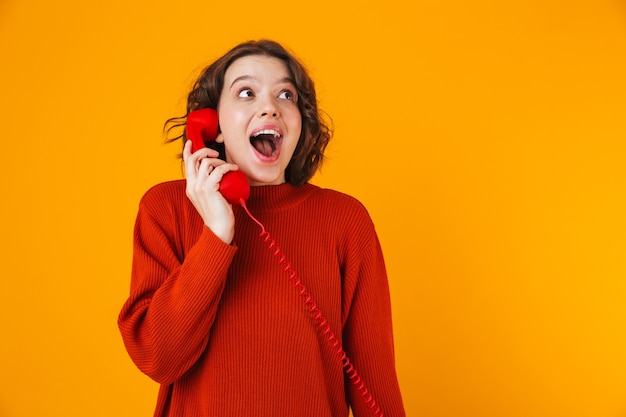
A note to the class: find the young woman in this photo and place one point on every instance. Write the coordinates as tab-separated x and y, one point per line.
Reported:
213	314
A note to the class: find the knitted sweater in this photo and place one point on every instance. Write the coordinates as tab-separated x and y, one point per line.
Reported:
224	330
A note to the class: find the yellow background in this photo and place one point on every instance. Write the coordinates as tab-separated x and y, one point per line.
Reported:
487	139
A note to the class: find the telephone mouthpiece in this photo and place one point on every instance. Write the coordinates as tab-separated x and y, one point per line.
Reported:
235	187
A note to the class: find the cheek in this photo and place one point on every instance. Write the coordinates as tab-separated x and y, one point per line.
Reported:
293	145
230	123
295	122
298	130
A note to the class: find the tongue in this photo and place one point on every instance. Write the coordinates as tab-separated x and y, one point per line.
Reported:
264	146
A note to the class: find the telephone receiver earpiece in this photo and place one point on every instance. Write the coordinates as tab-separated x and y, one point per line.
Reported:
202	127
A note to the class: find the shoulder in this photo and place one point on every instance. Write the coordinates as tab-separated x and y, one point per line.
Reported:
162	195
167	188
348	220
336	198
340	205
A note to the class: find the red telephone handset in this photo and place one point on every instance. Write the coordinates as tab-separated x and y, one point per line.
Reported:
201	128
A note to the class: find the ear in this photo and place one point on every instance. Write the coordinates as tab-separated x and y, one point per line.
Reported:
219	138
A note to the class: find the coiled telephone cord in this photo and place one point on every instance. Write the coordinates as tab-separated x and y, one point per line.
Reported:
317	316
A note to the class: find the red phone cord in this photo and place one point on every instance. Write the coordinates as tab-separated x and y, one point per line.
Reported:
317	315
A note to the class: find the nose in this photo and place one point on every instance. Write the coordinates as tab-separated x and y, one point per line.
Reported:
268	109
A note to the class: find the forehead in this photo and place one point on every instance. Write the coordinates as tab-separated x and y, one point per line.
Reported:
260	68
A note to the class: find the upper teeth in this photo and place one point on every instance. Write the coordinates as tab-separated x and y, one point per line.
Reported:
267	132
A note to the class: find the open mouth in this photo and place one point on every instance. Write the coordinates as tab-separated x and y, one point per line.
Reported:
266	142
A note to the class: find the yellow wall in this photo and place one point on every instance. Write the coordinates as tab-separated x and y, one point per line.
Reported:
487	138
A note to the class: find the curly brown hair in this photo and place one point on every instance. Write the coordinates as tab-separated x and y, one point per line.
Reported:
316	133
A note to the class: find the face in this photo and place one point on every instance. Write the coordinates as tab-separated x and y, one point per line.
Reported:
259	118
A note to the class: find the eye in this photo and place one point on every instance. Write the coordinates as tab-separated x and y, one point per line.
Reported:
287	95
245	92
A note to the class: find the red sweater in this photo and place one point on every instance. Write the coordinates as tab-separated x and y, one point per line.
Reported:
222	327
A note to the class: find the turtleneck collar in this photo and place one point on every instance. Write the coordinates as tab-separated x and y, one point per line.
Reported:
277	197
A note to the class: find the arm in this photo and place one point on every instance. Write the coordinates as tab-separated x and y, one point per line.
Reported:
166	321
367	331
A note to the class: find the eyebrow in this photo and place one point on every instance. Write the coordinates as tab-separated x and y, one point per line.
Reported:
287	80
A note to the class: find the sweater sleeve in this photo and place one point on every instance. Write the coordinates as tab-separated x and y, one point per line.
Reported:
166	320
367	331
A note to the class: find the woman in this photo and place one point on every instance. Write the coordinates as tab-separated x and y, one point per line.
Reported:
212	315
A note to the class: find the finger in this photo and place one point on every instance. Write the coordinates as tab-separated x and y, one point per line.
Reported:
200	153
222	169
205	153
190	162
207	165
187	150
